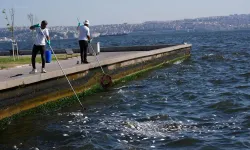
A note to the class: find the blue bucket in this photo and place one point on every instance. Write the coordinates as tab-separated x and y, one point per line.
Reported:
48	56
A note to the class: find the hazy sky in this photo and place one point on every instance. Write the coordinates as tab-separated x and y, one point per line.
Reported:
65	12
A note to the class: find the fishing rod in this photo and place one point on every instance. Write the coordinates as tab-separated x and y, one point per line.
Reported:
94	52
106	80
63	71
78	20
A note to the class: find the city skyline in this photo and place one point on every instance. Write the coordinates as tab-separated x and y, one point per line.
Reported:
65	13
220	23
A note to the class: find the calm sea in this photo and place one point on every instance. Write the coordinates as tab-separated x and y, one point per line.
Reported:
201	103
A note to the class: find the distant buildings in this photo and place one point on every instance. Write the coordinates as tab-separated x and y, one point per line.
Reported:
4	39
217	23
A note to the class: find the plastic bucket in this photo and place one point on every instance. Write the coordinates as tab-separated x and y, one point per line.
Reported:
48	56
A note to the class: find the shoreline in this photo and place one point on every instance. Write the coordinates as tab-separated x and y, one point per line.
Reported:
27	91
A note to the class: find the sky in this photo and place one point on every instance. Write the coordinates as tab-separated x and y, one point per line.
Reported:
66	12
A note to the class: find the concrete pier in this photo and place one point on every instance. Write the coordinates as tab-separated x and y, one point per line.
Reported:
21	91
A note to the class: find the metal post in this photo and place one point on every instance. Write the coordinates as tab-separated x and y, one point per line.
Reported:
13	51
15	46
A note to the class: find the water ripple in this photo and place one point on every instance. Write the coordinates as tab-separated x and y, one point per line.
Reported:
200	103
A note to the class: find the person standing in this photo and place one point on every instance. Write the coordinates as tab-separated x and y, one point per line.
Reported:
39	46
84	39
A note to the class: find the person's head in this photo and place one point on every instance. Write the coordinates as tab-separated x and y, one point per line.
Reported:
44	24
86	23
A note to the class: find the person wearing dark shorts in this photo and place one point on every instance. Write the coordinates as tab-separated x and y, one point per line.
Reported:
84	40
39	45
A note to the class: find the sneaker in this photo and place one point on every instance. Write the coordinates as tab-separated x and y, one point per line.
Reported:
33	71
43	70
85	62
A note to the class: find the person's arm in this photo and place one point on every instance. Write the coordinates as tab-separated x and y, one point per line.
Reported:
78	27
47	37
34	27
88	35
89	38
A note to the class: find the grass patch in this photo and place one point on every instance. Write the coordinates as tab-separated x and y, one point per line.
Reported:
8	62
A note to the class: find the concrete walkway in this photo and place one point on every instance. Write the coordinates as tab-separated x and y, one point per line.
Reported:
27	91
14	77
23	71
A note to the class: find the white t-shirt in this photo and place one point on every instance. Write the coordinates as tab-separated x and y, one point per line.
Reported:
84	32
40	37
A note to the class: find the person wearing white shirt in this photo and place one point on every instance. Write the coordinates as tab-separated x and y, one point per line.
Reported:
39	45
84	39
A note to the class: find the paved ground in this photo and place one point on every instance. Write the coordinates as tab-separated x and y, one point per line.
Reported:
19	76
23	71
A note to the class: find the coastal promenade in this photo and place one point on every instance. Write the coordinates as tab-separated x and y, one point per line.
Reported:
20	75
20	91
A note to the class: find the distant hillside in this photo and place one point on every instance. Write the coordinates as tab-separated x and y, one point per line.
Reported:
216	23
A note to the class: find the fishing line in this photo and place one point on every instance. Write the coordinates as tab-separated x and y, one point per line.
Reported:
106	80
63	72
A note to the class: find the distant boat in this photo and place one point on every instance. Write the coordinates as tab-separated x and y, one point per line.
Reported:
95	34
114	34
